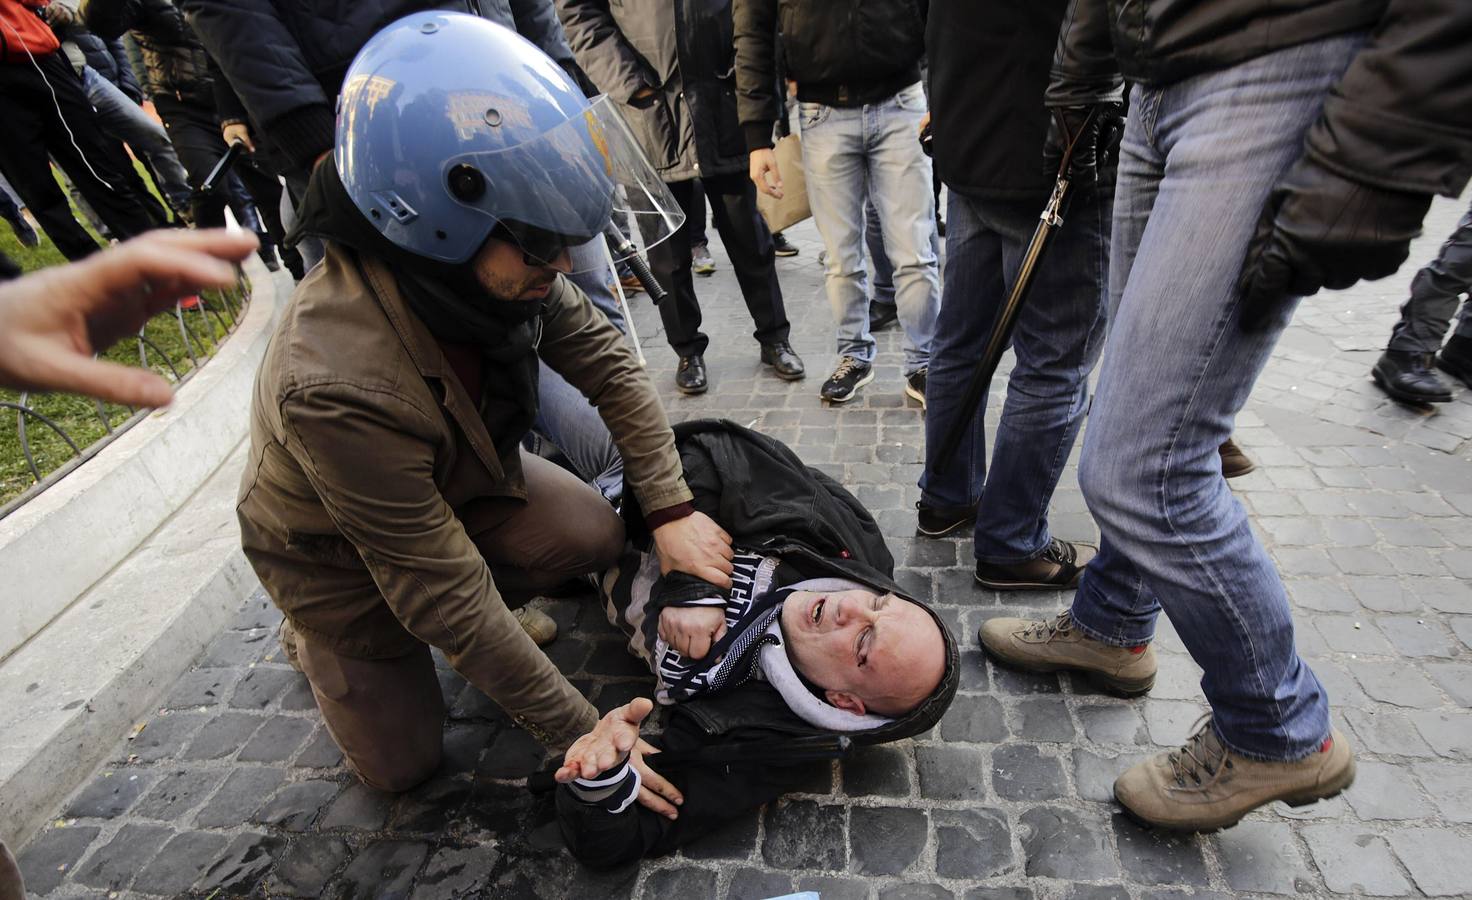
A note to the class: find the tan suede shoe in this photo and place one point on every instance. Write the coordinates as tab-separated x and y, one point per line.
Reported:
1203	786
537	624
1054	645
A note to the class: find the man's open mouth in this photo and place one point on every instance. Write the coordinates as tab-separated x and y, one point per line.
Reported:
816	615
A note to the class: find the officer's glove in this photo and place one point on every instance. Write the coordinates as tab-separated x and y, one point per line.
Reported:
1321	230
1096	155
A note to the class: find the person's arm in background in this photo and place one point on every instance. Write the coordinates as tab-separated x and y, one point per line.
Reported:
127	81
1084	96
614	66
234	120
1394	131
284	98
758	106
54	320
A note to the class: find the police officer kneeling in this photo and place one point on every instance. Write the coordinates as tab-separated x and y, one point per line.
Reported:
387	505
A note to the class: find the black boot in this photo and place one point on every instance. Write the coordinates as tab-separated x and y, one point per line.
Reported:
782	358
690	377
1455	359
1407	377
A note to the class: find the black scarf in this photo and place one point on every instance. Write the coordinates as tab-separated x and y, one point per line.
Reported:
449	301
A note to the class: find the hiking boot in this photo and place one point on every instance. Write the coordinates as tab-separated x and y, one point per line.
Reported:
915	385
537	625
938	521
1408	378
847	378
1455	359
882	315
690	377
781	246
784	360
1235	461
1054	645
1203	786
700	261
1058	567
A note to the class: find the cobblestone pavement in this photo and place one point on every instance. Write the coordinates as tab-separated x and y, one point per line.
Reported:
235	788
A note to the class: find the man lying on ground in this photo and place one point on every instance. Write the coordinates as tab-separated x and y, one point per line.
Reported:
813	640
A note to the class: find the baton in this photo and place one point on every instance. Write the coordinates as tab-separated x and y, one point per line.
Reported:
1006	322
783	751
222	168
624	247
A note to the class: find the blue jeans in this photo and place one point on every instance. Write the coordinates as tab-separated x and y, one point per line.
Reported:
873	152
1059	335
1198	161
126	120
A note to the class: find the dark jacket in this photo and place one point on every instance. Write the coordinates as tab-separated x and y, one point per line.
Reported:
176	62
83	47
988	71
840	52
1399	119
683	49
764	496
286	60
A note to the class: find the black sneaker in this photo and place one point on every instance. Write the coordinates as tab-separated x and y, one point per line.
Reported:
781	246
882	315
937	521
915	385
846	380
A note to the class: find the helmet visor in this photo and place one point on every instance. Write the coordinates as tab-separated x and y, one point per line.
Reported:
568	186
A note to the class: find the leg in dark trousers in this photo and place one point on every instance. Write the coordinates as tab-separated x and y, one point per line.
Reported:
744	233
670	262
35	130
196	138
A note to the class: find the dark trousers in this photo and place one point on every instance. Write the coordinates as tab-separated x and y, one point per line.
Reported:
732	201
1435	292
38	127
196	138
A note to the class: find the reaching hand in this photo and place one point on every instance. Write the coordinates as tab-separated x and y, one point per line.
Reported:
697	546
615	736
52	321
692	630
764	172
238	131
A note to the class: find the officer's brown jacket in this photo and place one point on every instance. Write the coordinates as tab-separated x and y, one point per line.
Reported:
365	450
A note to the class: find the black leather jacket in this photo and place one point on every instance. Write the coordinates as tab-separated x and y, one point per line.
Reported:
1399	119
175	62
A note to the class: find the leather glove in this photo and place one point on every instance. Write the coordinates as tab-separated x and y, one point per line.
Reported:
1319	229
1096	156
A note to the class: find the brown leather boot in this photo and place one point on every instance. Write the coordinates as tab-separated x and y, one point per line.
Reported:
1204	786
1054	645
1235	461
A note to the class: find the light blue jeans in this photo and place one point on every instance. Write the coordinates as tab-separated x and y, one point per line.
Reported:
1198	161
126	120
873	152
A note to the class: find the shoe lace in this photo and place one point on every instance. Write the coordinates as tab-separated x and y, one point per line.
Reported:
1061	552
1202	754
846	366
1047	629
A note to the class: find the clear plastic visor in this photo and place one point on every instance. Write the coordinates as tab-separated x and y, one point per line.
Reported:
568	186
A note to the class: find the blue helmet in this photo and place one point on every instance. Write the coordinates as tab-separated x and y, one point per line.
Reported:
451	127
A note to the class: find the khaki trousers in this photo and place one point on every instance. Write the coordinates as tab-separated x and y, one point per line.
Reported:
387	715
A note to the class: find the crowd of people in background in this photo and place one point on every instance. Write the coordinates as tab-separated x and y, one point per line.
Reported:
1222	164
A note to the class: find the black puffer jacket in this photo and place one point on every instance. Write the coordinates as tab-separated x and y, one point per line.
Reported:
840	52
765	496
1399	119
176	62
682	49
83	47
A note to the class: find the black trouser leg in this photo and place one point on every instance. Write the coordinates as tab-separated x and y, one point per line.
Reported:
749	244
670	262
89	157
196	138
25	106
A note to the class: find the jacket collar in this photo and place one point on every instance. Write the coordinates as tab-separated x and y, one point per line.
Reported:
426	354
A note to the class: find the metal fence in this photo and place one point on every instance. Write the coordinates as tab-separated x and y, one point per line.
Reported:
202	327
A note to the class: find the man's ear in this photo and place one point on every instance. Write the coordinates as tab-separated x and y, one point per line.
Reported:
845	700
